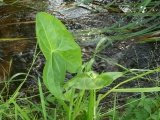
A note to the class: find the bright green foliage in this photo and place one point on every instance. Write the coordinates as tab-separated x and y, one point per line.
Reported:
142	109
63	54
92	81
56	41
59	49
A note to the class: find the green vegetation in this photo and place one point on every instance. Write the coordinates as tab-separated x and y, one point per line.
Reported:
79	97
142	109
62	53
143	25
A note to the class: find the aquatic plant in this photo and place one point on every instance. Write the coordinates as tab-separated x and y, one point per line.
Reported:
76	98
63	54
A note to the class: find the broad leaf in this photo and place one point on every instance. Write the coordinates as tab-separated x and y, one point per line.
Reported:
53	37
54	74
91	81
60	50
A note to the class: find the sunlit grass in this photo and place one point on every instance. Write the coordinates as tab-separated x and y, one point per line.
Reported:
139	27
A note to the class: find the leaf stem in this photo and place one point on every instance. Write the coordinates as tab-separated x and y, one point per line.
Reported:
128	80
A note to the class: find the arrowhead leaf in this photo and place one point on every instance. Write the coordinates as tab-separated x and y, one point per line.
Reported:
53	37
88	82
60	50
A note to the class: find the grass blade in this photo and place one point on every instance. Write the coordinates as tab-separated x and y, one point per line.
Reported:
153	89
42	100
20	110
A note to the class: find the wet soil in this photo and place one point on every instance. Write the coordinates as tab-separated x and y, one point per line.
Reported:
18	44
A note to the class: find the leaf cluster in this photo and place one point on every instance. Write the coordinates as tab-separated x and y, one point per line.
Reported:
146	108
63	54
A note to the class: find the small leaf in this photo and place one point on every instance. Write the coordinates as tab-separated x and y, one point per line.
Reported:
90	81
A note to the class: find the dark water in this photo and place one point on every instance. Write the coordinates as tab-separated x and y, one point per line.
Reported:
17	35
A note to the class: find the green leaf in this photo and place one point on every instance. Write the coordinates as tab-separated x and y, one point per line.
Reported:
53	37
91	80
54	74
60	50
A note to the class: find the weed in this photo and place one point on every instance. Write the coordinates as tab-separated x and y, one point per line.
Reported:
142	109
63	54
